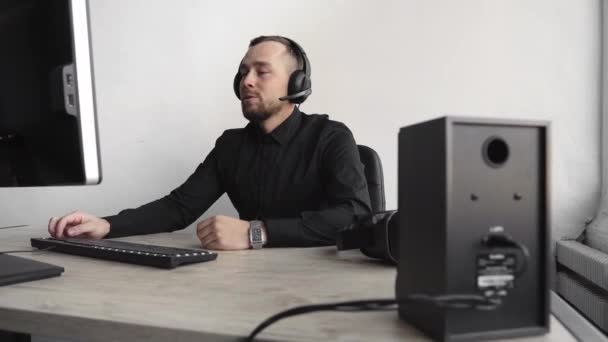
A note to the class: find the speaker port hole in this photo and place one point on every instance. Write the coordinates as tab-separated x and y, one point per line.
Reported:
495	152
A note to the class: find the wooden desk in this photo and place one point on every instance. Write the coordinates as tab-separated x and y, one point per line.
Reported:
96	300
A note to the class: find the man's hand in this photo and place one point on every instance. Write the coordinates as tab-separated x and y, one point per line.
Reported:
78	224
223	232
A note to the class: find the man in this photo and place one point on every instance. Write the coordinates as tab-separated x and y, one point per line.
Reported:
295	179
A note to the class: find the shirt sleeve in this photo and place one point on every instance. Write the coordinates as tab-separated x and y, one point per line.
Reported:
348	197
175	211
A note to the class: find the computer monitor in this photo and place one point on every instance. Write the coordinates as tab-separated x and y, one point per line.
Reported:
48	130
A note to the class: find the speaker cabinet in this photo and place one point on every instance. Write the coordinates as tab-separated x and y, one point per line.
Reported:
459	179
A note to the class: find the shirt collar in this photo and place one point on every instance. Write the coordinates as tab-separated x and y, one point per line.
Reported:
284	132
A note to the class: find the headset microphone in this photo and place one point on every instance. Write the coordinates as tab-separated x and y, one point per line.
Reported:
301	94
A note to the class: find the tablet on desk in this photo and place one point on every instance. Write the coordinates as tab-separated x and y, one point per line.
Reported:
14	270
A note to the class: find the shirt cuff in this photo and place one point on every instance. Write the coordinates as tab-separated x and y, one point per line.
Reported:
115	230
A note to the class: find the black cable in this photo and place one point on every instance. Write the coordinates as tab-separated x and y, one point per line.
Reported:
27	251
11	227
461	302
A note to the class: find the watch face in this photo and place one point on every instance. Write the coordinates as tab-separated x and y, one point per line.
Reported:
256	235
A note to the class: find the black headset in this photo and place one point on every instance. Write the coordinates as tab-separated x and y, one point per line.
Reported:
299	86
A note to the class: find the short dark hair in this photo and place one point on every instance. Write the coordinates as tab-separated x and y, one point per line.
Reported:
291	48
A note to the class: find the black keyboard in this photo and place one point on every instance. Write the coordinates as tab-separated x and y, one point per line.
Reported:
134	253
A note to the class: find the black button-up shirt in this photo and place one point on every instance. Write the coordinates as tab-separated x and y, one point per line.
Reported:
304	180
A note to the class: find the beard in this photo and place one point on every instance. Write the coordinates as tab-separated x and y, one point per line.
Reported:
261	111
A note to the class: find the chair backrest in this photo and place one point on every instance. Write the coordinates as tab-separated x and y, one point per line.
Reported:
374	176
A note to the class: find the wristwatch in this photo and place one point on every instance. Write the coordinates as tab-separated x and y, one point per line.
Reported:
256	238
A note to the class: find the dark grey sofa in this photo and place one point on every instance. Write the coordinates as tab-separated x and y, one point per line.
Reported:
582	274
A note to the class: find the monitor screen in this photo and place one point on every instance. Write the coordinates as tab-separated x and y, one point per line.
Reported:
48	130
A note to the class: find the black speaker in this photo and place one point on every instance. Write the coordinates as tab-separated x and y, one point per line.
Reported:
461	179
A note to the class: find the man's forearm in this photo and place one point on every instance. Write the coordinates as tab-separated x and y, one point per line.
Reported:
155	217
176	210
312	228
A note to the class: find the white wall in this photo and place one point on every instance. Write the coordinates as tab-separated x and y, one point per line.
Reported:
164	73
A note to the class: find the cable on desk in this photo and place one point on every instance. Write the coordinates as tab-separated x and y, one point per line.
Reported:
27	251
456	301
17	226
497	240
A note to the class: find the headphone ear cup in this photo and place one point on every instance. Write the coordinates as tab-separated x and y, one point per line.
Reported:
236	85
297	82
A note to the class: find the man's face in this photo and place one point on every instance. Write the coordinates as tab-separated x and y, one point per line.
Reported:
264	73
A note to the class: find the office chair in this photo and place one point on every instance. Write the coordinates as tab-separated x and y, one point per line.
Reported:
373	233
374	177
